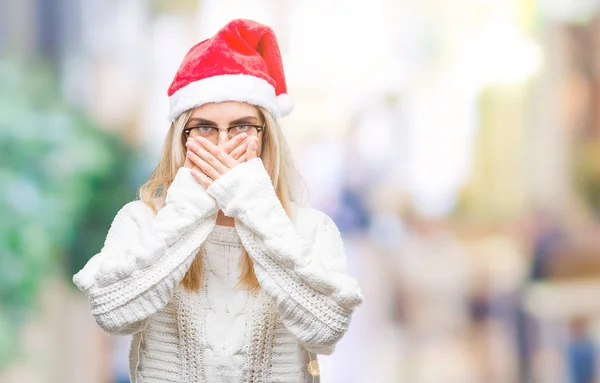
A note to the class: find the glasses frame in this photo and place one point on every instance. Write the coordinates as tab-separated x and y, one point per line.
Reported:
259	128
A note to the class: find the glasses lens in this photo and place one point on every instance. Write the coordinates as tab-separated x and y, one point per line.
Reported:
248	129
209	133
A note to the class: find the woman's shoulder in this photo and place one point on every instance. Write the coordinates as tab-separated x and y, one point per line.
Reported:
135	209
309	218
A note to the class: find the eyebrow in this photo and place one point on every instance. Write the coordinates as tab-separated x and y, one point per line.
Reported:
242	120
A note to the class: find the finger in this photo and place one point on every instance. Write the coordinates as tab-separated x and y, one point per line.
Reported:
234	142
202	178
214	155
203	165
199	148
246	156
240	150
194	167
251	152
190	164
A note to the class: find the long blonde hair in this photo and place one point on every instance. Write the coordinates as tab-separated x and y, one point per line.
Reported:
277	160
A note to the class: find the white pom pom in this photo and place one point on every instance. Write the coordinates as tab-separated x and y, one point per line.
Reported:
285	104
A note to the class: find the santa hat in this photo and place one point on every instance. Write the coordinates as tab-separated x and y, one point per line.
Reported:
242	62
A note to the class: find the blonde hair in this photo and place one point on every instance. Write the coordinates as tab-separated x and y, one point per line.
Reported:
277	160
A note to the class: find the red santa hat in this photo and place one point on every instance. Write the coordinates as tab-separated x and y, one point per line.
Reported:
242	62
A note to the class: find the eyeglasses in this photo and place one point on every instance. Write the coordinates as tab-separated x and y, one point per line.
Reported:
211	133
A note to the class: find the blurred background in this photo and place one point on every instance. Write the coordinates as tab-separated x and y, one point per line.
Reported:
455	143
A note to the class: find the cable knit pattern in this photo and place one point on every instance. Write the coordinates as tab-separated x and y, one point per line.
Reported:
223	333
303	270
227	309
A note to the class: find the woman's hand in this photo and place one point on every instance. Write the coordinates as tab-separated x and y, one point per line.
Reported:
229	147
211	161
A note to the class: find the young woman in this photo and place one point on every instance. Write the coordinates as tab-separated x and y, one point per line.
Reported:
216	272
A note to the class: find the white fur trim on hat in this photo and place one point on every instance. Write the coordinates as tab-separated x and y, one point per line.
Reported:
286	104
232	87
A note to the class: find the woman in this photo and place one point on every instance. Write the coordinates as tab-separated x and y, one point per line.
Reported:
215	271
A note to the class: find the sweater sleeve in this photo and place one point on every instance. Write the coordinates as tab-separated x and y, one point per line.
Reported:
146	255
305	270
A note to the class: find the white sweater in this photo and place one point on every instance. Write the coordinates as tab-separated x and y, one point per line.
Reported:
222	334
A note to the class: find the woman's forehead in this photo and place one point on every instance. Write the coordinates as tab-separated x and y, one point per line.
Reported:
225	111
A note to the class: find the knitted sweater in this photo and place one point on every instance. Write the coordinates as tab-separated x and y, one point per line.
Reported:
304	305
225	311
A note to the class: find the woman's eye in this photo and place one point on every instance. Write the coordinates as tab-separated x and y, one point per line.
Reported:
241	128
204	129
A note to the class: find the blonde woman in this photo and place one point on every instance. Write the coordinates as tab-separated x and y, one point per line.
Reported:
216	272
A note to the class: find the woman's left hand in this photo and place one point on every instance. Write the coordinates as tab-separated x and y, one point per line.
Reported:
214	160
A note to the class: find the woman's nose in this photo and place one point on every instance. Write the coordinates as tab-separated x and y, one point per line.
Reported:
223	137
